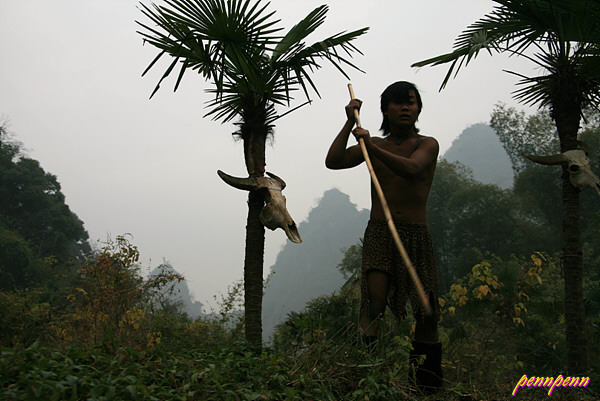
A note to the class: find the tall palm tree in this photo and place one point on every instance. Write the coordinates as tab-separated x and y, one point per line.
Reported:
563	38
253	68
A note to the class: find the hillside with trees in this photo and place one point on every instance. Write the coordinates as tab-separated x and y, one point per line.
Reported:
307	271
39	234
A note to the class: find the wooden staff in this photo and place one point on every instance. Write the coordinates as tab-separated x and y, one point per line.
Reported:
388	217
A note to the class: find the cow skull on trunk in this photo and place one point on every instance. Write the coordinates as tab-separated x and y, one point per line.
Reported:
274	214
578	164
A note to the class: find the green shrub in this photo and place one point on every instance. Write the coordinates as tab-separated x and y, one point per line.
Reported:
26	318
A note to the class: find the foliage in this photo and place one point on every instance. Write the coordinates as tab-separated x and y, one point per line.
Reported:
17	268
538	187
497	323
449	178
352	259
497	299
40	373
230	316
26	318
534	134
500	320
238	372
35	222
468	219
106	302
326	317
32	205
489	219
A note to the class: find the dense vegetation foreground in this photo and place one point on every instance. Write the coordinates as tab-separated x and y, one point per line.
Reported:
113	335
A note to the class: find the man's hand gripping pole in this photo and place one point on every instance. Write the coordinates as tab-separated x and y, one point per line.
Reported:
388	218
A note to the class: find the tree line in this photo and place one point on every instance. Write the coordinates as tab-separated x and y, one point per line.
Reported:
469	220
41	240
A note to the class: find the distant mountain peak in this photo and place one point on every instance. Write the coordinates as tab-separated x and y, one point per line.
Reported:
336	198
479	148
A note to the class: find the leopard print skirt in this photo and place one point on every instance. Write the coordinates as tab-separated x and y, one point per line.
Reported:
381	253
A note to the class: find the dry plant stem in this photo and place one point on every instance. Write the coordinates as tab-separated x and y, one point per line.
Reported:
388	217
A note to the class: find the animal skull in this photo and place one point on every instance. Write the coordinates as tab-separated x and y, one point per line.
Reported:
581	176
274	214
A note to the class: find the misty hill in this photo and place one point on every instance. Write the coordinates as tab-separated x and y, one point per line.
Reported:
478	148
309	270
180	294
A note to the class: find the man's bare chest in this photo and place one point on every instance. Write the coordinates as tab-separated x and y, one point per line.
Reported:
402	148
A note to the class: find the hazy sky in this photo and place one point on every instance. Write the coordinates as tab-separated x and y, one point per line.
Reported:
72	91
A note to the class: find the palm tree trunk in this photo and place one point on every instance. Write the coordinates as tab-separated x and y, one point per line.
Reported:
566	113
577	345
254	132
253	270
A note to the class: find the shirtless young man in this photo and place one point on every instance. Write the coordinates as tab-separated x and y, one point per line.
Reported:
404	162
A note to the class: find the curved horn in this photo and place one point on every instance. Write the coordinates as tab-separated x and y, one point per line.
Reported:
547	160
247	184
279	180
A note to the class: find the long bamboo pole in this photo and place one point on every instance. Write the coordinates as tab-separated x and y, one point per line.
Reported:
388	217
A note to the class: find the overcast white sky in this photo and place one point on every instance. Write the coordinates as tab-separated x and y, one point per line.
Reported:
72	91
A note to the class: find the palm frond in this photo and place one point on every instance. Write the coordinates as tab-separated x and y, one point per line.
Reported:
502	30
236	45
210	35
565	75
300	61
293	39
514	26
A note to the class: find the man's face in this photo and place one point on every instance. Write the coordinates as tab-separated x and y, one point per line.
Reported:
403	114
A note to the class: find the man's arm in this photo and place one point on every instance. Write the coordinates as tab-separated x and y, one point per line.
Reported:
340	157
418	162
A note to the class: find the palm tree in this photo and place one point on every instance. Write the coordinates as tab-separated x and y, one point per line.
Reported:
252	67
565	38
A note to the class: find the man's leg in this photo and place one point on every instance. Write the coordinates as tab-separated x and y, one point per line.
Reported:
378	284
427	375
426	330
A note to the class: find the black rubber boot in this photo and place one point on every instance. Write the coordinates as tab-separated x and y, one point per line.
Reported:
427	376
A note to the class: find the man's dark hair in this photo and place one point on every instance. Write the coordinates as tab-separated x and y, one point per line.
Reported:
398	92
